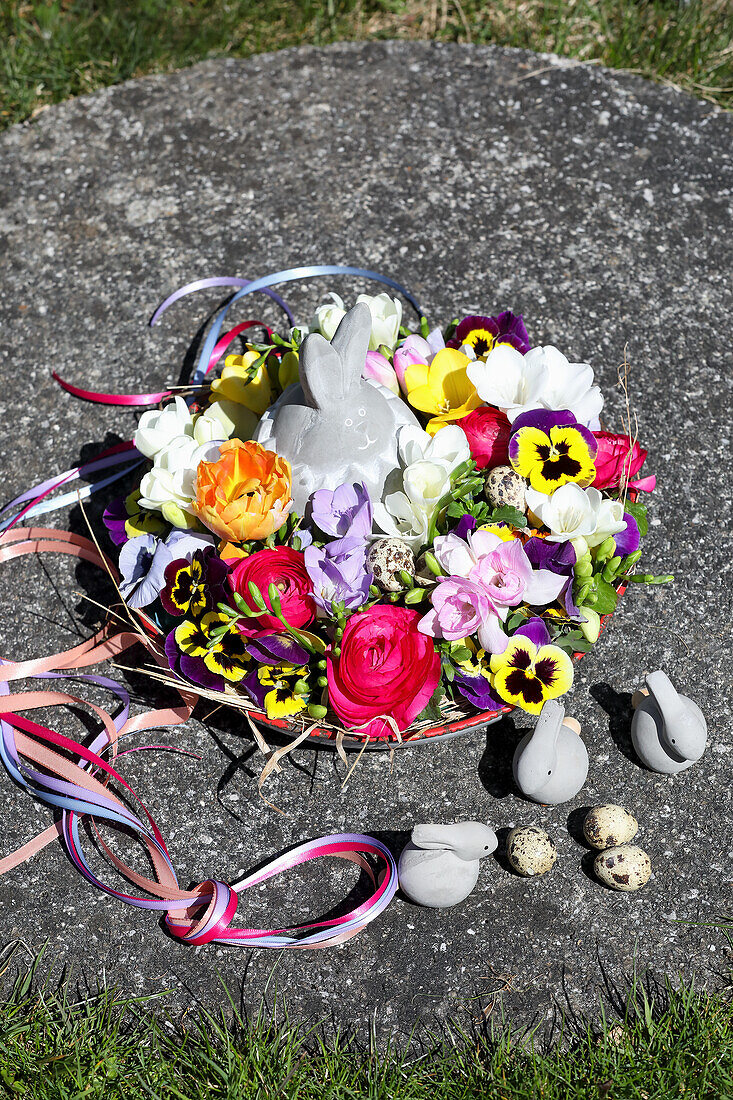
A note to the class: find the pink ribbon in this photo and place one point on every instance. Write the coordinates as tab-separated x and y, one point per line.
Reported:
38	758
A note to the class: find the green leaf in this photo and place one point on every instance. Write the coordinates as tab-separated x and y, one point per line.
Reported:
638	511
509	515
606	596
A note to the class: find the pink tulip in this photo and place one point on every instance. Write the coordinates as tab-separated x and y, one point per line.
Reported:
379	368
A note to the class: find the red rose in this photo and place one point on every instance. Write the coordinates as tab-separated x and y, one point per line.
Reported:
284	568
613	461
488	432
386	667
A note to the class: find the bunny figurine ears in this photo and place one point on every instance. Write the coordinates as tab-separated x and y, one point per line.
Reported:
334	427
328	372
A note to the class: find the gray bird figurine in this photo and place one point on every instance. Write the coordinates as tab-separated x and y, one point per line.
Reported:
551	763
668	730
439	866
334	427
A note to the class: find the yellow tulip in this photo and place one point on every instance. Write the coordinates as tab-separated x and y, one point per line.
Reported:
238	384
288	370
443	388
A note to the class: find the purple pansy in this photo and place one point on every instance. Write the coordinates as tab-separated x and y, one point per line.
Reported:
143	561
191	668
483	333
277	649
343	511
338	571
114	518
627	542
465	524
558	557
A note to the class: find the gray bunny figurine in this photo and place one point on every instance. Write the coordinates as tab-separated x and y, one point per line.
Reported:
668	730
335	427
551	763
439	866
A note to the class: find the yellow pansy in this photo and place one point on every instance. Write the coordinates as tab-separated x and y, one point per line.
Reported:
526	675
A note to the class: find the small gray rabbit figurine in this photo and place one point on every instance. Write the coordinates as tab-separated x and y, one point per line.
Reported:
439	866
335	427
668	730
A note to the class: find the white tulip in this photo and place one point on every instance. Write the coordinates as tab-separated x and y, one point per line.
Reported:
386	319
158	427
508	380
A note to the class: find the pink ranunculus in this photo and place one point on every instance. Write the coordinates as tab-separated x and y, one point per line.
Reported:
488	431
379	368
618	457
385	667
285	568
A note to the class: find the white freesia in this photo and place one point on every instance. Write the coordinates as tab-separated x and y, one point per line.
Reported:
172	480
567	512
158	427
400	518
425	483
568	385
208	428
449	446
575	514
508	380
608	515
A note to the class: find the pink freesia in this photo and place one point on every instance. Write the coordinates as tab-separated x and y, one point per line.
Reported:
379	368
416	349
488	575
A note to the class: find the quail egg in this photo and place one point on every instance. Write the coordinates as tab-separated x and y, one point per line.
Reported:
609	825
530	850
385	559
625	867
505	488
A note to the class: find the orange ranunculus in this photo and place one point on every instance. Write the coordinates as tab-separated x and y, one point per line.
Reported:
245	494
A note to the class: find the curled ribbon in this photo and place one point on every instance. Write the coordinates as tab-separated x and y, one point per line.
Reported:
75	778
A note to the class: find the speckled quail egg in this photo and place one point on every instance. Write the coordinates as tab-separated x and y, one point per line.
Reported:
505	488
625	867
530	850
609	825
385	559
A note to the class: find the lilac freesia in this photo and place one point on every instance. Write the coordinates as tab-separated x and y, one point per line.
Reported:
339	573
487	575
143	562
342	511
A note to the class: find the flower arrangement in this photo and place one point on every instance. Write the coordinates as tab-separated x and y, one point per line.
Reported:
461	581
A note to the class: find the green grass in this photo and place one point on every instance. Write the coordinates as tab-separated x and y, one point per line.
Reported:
675	1043
53	49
